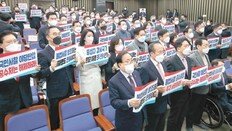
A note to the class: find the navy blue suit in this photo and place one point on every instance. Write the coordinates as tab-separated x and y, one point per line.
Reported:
59	83
179	100
120	92
156	111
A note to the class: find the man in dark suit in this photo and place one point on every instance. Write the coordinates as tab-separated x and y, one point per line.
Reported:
121	90
199	29
15	93
216	53
219	89
225	33
52	21
155	69
179	100
198	94
6	23
59	82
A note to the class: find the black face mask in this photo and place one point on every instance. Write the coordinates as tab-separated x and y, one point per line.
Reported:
104	27
57	40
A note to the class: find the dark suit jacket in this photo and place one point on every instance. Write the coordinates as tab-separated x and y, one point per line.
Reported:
215	53
150	73
15	94
42	36
108	68
120	92
60	82
10	27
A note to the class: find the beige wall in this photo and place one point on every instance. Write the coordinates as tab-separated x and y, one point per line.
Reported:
87	3
218	10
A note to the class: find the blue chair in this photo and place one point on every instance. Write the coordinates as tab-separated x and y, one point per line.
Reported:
228	68
105	107
35	118
76	115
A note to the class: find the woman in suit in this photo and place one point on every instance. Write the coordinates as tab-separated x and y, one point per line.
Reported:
111	68
90	75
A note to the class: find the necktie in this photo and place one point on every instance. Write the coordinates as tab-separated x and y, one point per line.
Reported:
223	80
131	81
185	64
17	79
161	72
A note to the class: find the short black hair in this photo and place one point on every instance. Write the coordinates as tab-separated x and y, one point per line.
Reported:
162	32
199	41
215	62
83	34
63	15
119	56
172	37
113	42
137	30
5	16
49	14
197	24
74	22
180	41
6	33
100	21
186	30
119	23
151	47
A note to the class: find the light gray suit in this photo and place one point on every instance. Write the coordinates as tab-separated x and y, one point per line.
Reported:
140	47
198	61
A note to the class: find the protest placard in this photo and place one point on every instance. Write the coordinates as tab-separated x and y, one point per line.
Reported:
213	42
199	76
20	17
145	94
143	57
170	52
5	9
154	36
173	82
127	42
77	39
18	64
97	54
65	56
66	27
214	74
170	28
36	13
65	38
109	27
226	42
105	39
23	6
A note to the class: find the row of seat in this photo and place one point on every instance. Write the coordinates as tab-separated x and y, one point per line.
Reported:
75	115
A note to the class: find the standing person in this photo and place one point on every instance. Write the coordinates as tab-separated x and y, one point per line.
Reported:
123	32
183	22
34	21
198	94
6	23
121	90
59	82
179	100
139	43
90	75
199	29
164	37
15	93
18	23
188	33
111	68
152	70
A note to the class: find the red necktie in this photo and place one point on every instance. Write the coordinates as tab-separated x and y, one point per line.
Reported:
131	81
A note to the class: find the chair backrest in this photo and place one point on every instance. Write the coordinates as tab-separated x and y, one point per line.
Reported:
32	118
227	64
105	107
27	32
76	114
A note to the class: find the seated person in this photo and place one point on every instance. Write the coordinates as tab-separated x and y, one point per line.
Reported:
221	88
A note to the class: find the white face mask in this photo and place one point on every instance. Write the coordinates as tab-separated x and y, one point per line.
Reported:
88	22
77	29
74	17
223	69
52	22
142	39
119	47
89	40
202	30
13	47
160	58
167	40
187	51
164	21
124	27
205	50
219	32
137	25
191	35
129	69
176	22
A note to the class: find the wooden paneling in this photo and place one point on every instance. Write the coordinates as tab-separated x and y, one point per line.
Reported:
88	4
12	3
218	10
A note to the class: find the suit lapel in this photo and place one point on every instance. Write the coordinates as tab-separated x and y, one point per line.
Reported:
155	71
126	84
50	51
179	62
199	59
